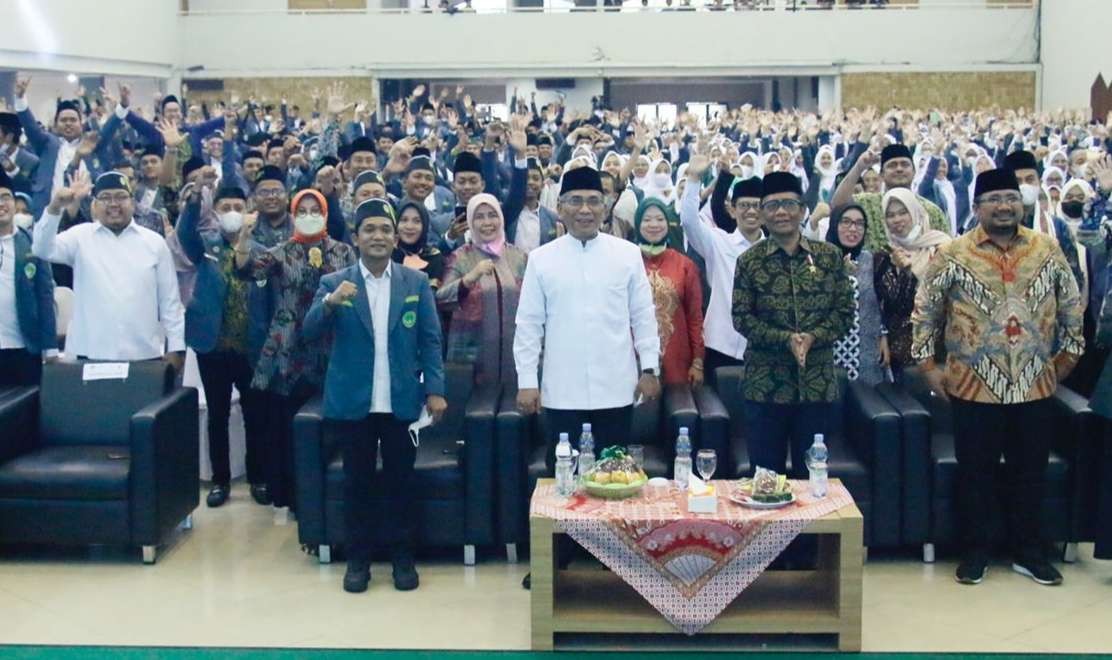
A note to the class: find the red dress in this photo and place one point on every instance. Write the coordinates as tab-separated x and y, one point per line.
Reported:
678	297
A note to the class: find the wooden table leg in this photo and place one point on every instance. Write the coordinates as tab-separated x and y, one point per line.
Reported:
850	583
542	592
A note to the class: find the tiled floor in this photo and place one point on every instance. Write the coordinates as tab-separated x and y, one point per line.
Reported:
239	579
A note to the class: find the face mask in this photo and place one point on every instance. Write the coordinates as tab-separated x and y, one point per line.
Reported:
747	171
662	180
313	155
1073	209
429	120
231	222
309	225
23	220
1029	193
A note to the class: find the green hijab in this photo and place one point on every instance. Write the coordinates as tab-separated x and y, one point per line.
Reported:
651	249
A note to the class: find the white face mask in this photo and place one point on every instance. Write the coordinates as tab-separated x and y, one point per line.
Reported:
309	225
1029	193
23	220
231	222
747	171
662	180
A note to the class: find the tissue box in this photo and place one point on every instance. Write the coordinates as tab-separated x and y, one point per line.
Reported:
704	502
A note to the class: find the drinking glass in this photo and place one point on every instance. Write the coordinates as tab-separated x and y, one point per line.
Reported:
705	462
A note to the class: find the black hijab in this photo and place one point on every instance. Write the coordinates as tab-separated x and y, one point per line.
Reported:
832	230
402	250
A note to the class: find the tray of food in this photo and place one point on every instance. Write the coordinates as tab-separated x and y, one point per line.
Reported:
615	476
766	490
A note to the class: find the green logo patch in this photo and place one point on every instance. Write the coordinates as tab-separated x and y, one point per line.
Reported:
409	319
30	269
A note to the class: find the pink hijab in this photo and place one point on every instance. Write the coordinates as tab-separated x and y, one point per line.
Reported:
495	247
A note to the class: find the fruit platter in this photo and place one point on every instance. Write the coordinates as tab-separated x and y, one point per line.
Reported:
766	490
615	476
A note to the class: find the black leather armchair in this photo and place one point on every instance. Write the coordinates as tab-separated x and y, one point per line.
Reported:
454	473
99	462
863	444
523	446
929	507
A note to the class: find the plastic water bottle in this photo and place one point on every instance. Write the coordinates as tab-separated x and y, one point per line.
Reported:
817	467
565	477
681	470
586	450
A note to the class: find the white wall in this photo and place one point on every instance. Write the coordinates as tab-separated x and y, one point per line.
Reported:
1074	50
603	44
125	37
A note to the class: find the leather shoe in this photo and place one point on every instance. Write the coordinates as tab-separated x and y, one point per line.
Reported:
261	494
217	496
527	581
357	576
405	573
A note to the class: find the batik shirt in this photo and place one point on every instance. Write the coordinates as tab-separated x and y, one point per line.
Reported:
1004	315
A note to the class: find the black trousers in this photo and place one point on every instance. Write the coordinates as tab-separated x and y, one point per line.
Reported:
609	426
394	518
1103	549
219	371
777	429
712	361
982	432
18	368
278	458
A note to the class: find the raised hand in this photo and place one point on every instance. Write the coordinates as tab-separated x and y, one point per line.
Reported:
88	144
125	95
171	136
342	294
336	99
697	167
1102	170
231	120
109	100
21	84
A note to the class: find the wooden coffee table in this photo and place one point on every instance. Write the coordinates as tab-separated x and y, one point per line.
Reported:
571	607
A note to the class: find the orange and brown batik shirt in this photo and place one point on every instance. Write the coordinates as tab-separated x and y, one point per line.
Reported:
1005	316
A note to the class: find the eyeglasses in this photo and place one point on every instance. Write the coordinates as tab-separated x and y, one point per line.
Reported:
851	224
270	192
775	205
747	206
997	200
7	197
575	201
117	198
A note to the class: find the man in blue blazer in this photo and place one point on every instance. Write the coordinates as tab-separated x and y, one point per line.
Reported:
385	364
27	324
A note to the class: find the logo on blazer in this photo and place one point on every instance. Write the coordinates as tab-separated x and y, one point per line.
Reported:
30	269
409	319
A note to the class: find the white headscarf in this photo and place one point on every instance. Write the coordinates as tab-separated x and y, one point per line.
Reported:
922	241
642	181
658	189
757	167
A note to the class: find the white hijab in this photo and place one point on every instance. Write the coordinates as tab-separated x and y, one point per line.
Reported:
922	241
665	193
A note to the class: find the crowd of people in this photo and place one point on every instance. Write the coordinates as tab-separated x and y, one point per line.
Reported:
341	254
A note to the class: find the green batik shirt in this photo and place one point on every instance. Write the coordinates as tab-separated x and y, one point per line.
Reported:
875	238
233	330
777	295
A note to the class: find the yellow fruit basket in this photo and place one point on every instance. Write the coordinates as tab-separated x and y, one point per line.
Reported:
614	491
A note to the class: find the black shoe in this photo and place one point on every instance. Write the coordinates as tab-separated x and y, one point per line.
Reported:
971	570
1038	570
405	573
357	576
527	581
261	494
217	496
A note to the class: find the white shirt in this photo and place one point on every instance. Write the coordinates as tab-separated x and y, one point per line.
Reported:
721	251
582	301
10	334
378	296
528	232
126	300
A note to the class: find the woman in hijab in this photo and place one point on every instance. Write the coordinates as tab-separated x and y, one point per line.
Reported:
911	243
290	368
1052	180
677	294
413	249
863	352
642	165
825	174
660	183
751	165
480	291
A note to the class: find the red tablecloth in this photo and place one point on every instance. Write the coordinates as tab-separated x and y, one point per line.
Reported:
687	566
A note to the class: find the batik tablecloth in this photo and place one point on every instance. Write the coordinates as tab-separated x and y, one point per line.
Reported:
689	566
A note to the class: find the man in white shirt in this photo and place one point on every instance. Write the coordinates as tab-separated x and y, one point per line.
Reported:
27	332
582	295
725	346
126	300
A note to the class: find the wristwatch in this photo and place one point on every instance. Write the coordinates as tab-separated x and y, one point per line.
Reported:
649	372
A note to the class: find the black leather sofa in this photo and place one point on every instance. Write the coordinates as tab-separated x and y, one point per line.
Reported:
523	445
454	472
863	444
929	462
111	462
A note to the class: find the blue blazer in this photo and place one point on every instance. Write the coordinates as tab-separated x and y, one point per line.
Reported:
204	317
46	146
34	297
414	344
